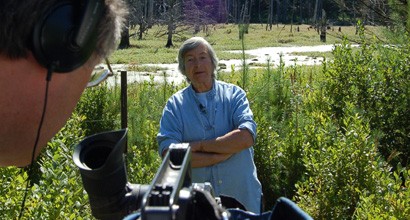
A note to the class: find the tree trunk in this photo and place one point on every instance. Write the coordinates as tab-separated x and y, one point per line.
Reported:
227	5
169	42
235	11
323	27
221	12
150	14
315	12
170	32
125	39
292	15
300	12
247	15
143	28
318	12
244	19
270	15
277	11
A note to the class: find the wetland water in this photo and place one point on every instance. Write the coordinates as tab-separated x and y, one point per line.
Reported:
260	56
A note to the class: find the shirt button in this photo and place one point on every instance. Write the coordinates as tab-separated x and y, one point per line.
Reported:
220	181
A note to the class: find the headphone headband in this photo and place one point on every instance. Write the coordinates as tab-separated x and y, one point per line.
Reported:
64	42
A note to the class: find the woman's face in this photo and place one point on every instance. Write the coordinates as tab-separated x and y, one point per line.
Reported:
199	68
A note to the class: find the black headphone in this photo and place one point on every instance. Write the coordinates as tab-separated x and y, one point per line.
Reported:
65	37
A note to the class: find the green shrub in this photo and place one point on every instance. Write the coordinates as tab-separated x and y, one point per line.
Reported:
277	98
339	161
145	105
376	79
389	200
100	106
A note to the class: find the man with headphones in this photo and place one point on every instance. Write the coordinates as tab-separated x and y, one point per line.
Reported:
48	50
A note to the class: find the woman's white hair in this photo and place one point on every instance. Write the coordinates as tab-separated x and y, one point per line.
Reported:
190	44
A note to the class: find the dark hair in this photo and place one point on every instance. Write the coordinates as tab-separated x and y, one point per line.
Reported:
19	16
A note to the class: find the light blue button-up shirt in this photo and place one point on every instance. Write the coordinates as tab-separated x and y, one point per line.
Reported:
187	118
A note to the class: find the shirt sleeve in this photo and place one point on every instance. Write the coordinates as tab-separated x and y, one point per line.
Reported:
242	113
170	128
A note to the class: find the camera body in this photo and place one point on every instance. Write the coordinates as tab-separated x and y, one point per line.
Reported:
171	195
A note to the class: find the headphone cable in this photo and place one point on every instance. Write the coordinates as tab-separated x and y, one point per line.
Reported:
30	168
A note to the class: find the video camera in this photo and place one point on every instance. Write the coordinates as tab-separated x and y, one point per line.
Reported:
171	195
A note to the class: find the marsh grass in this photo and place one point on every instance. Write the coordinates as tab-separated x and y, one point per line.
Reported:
224	37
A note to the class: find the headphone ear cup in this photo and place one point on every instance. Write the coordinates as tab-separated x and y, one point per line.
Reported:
53	39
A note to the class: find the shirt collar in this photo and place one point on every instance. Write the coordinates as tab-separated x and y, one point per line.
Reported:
210	94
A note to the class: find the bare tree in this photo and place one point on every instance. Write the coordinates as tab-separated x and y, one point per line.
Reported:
173	17
245	17
278	4
142	16
270	15
292	15
199	14
141	13
125	39
150	12
369	11
170	15
317	15
178	16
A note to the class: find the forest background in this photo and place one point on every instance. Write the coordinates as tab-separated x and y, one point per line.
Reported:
333	137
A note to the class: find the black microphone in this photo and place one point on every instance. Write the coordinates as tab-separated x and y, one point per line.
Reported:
202	109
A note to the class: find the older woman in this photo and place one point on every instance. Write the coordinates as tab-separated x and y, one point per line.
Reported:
214	117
